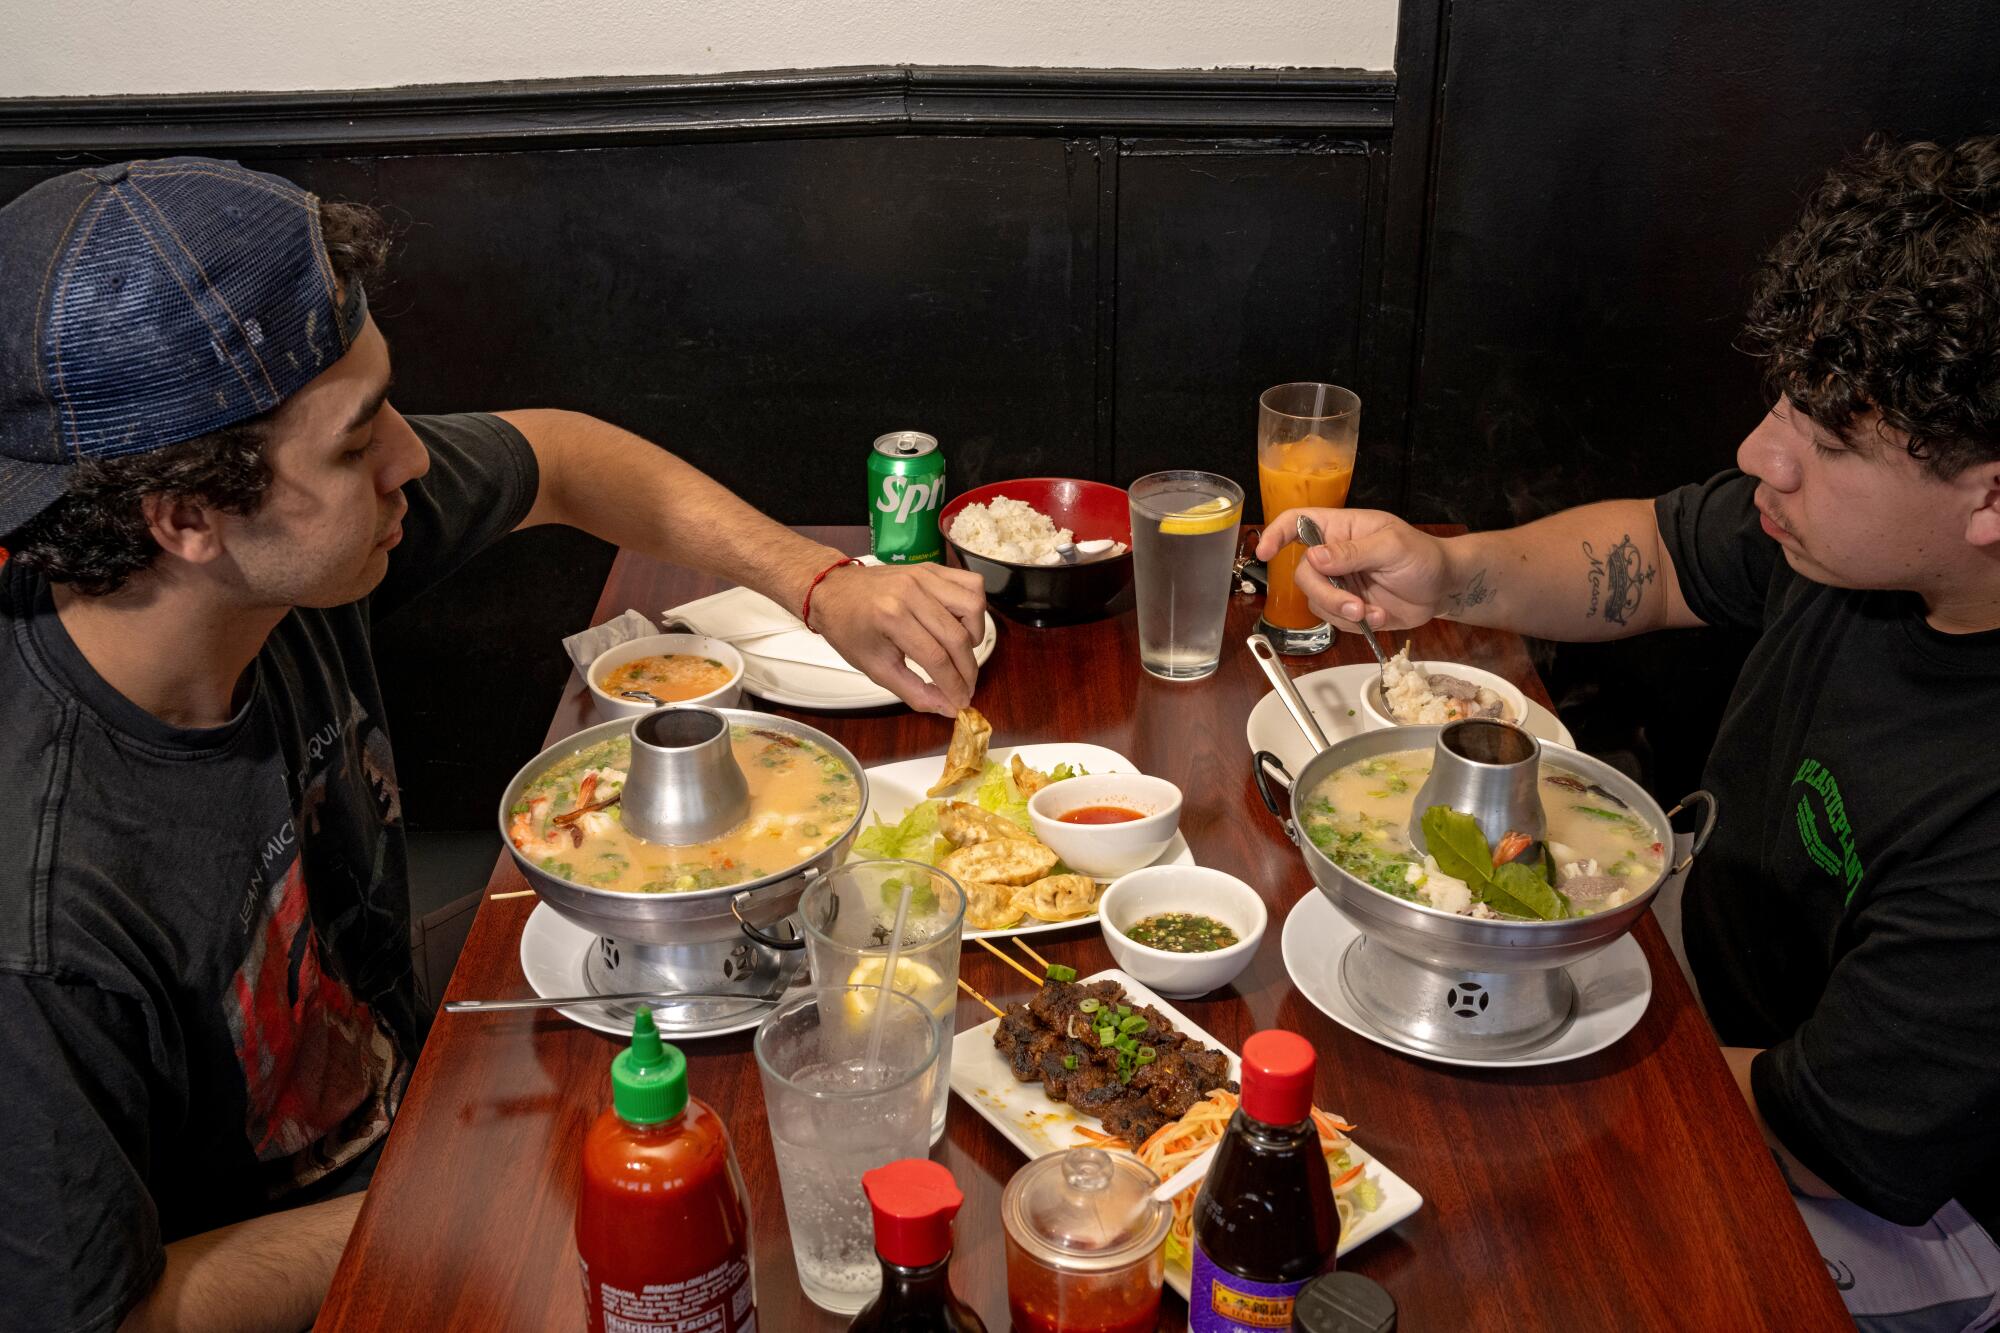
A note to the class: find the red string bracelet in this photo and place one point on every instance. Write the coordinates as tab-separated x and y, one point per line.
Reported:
806	611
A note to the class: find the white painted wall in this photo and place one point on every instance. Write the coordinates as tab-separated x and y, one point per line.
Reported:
67	48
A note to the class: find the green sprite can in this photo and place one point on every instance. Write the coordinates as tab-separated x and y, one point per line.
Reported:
905	492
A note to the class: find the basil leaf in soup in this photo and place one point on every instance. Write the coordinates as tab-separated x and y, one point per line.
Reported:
1520	890
1457	844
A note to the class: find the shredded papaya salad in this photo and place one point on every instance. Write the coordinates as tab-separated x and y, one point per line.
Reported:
1173	1146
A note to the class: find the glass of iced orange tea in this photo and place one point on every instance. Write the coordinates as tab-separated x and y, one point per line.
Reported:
1306	435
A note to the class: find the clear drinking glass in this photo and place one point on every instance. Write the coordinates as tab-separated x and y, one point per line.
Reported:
1184	527
849	914
1306	434
830	1121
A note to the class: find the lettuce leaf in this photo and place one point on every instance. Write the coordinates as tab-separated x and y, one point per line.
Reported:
998	794
914	837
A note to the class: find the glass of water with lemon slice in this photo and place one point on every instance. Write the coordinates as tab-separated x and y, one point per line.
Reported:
849	916
1184	527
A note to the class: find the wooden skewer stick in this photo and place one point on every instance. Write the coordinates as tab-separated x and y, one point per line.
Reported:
1008	959
517	893
1022	945
998	1012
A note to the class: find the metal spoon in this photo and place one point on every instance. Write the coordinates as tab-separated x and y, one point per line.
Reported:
559	1001
1310	534
1266	654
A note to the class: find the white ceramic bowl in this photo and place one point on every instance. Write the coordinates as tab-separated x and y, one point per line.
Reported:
1106	851
658	645
1378	712
1134	897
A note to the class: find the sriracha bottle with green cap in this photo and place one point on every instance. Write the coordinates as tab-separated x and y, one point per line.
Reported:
1265	1222
661	1224
914	1201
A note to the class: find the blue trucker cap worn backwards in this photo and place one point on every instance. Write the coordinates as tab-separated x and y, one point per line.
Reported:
150	302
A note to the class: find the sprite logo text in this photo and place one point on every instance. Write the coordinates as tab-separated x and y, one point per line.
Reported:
903	496
1823	825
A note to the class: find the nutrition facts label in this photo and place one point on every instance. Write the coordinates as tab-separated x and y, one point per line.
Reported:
718	1301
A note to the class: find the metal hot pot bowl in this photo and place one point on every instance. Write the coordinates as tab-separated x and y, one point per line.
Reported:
1457	985
684	786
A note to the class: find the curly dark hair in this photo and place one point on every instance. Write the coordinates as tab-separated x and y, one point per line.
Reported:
95	537
1886	294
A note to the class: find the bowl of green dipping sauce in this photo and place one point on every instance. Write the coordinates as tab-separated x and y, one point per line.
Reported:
1182	930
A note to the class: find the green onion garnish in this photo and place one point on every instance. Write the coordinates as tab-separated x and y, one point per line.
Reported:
1069	1062
1057	972
1089	1006
1132	1023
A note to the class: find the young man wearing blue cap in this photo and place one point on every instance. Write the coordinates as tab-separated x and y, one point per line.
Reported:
1843	927
207	1011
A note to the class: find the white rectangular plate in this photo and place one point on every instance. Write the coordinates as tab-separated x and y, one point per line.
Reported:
894	788
1026	1117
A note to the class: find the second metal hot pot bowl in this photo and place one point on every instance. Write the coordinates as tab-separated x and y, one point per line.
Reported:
1409	972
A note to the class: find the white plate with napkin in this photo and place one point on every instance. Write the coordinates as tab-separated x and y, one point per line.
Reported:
785	662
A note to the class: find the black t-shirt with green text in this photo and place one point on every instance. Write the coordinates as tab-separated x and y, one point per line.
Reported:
207	1008
1846	915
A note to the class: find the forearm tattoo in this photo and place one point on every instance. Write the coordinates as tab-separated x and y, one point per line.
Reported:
1618	581
1472	594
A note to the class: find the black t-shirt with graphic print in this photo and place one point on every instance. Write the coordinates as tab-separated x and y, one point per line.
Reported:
1847	914
206	996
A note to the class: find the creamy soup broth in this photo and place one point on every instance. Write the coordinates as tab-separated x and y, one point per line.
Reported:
802	800
1602	854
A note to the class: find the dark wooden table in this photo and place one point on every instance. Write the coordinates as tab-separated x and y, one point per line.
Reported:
1625	1190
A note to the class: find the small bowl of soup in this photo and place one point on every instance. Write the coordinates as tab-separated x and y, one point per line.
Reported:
659	669
1182	930
1105	824
1409	694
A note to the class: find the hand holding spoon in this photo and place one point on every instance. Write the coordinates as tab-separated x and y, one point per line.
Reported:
1310	534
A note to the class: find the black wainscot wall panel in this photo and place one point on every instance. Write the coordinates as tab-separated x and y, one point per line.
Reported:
765	272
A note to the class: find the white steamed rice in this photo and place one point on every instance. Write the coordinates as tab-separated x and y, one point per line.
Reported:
1010	530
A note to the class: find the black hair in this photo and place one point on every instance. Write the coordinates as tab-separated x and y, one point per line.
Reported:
1886	295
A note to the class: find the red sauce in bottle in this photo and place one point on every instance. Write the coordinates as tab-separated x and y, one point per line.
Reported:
1100	814
661	1225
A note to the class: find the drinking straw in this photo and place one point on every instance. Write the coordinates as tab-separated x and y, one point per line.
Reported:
869	1071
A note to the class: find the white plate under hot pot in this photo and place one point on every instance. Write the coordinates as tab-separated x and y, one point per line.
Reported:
1613	988
553	953
1334	695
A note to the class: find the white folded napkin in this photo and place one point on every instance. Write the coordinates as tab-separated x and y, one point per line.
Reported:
733	615
583	649
756	626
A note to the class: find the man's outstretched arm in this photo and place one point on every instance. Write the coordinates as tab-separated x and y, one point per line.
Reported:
615	485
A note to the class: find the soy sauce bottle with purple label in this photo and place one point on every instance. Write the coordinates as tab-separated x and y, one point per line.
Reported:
1265	1222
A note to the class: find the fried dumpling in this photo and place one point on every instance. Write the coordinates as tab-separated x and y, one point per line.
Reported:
1014	861
1029	780
1059	897
964	824
991	906
966	755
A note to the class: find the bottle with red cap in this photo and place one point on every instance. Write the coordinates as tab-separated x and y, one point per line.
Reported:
661	1224
914	1201
1265	1222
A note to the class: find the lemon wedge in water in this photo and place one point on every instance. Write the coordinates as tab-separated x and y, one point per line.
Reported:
1208	516
913	978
